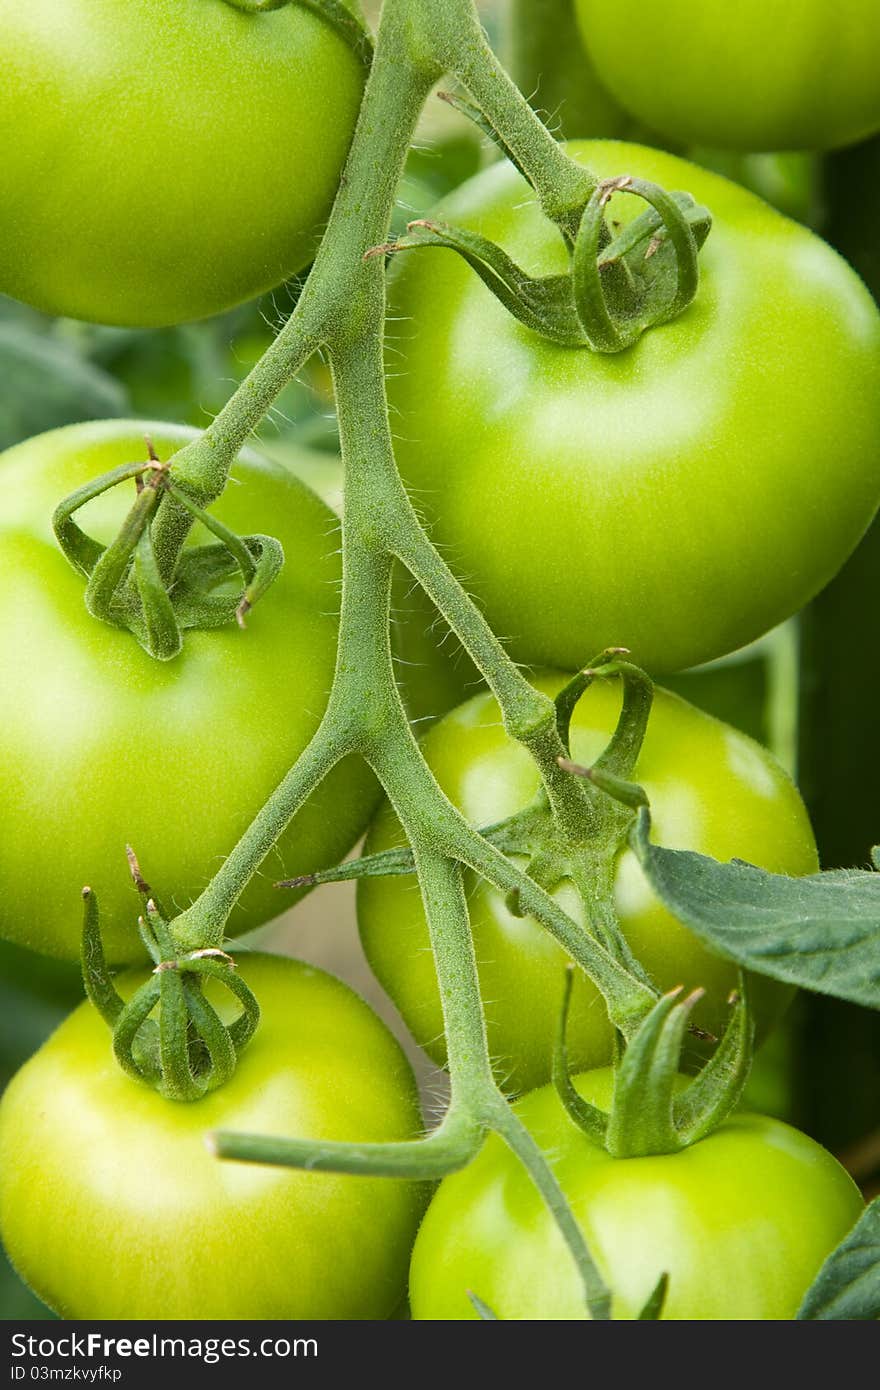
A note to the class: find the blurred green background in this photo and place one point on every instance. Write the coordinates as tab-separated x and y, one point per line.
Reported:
808	690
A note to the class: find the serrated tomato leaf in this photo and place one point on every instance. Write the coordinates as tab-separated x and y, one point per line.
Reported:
821	933
847	1287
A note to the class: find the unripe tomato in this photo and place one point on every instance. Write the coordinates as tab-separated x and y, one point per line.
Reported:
165	159
757	75
712	789
740	1222
678	498
112	1206
103	746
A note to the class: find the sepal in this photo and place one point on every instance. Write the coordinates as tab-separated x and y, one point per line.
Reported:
189	1050
125	587
617	286
544	304
620	756
647	274
651	1113
656	1302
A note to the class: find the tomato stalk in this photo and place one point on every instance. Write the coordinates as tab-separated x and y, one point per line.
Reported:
458	39
551	66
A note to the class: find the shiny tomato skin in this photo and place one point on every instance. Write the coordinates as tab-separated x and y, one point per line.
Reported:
103	746
749	76
166	159
712	789
740	1222
112	1205
678	498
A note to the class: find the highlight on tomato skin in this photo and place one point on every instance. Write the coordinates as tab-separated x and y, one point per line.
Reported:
741	1222
202	151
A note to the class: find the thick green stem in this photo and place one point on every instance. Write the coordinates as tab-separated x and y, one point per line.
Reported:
203	924
529	715
518	1139
563	187
550	65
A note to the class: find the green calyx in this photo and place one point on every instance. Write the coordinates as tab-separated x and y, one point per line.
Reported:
189	1049
618	286
651	1113
340	18
125	586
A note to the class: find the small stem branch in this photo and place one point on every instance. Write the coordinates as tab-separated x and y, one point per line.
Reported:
529	715
201	468
508	1125
450	1147
593	877
332	301
203	924
551	66
629	1000
563	187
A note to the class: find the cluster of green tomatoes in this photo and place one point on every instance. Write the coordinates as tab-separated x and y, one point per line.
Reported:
161	163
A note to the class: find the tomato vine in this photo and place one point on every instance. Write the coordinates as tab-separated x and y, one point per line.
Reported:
341	312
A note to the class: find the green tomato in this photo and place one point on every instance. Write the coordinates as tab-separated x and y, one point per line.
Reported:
749	76
678	498
740	1222
112	1206
711	788
102	746
166	159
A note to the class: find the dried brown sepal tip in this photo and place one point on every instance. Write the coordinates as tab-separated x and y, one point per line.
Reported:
303	881
134	869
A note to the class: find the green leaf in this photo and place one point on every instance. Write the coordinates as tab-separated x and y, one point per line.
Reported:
847	1287
820	933
45	384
